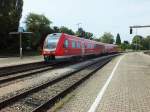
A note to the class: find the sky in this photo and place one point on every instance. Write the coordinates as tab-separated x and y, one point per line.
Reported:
96	16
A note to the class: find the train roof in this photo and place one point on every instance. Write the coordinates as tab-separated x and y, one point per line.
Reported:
100	43
55	34
85	39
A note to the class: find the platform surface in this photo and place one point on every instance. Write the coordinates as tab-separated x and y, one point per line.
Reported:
17	61
127	91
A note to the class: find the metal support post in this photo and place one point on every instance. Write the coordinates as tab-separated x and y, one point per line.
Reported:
20	39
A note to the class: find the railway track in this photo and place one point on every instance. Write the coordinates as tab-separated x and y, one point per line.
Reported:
9	70
11	74
40	67
44	96
22	71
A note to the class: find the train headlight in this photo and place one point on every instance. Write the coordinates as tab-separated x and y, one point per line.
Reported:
46	52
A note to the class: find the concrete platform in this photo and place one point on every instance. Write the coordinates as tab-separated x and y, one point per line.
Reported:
17	61
128	90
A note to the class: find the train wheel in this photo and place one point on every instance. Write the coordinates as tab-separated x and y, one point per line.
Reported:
52	57
46	59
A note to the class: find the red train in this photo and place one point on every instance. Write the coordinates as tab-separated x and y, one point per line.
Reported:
61	45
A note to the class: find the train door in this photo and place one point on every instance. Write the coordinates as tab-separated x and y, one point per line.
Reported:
66	47
83	49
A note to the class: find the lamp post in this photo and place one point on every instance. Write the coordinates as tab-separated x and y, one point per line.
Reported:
78	24
20	32
20	41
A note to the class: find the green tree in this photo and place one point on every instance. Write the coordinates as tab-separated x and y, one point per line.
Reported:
80	32
146	44
107	38
64	29
56	29
118	39
125	45
40	25
83	34
89	35
10	14
97	39
137	42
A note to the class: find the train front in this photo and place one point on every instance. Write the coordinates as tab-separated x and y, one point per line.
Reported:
50	46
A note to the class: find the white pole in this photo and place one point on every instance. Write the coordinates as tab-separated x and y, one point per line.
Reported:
20	45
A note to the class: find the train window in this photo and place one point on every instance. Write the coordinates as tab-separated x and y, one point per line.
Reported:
89	46
66	44
78	44
83	45
96	46
73	44
92	46
51	43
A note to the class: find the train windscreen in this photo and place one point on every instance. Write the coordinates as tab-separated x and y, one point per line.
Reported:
51	42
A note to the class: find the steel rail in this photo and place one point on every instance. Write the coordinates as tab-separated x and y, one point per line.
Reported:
31	72
9	70
41	86
47	105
